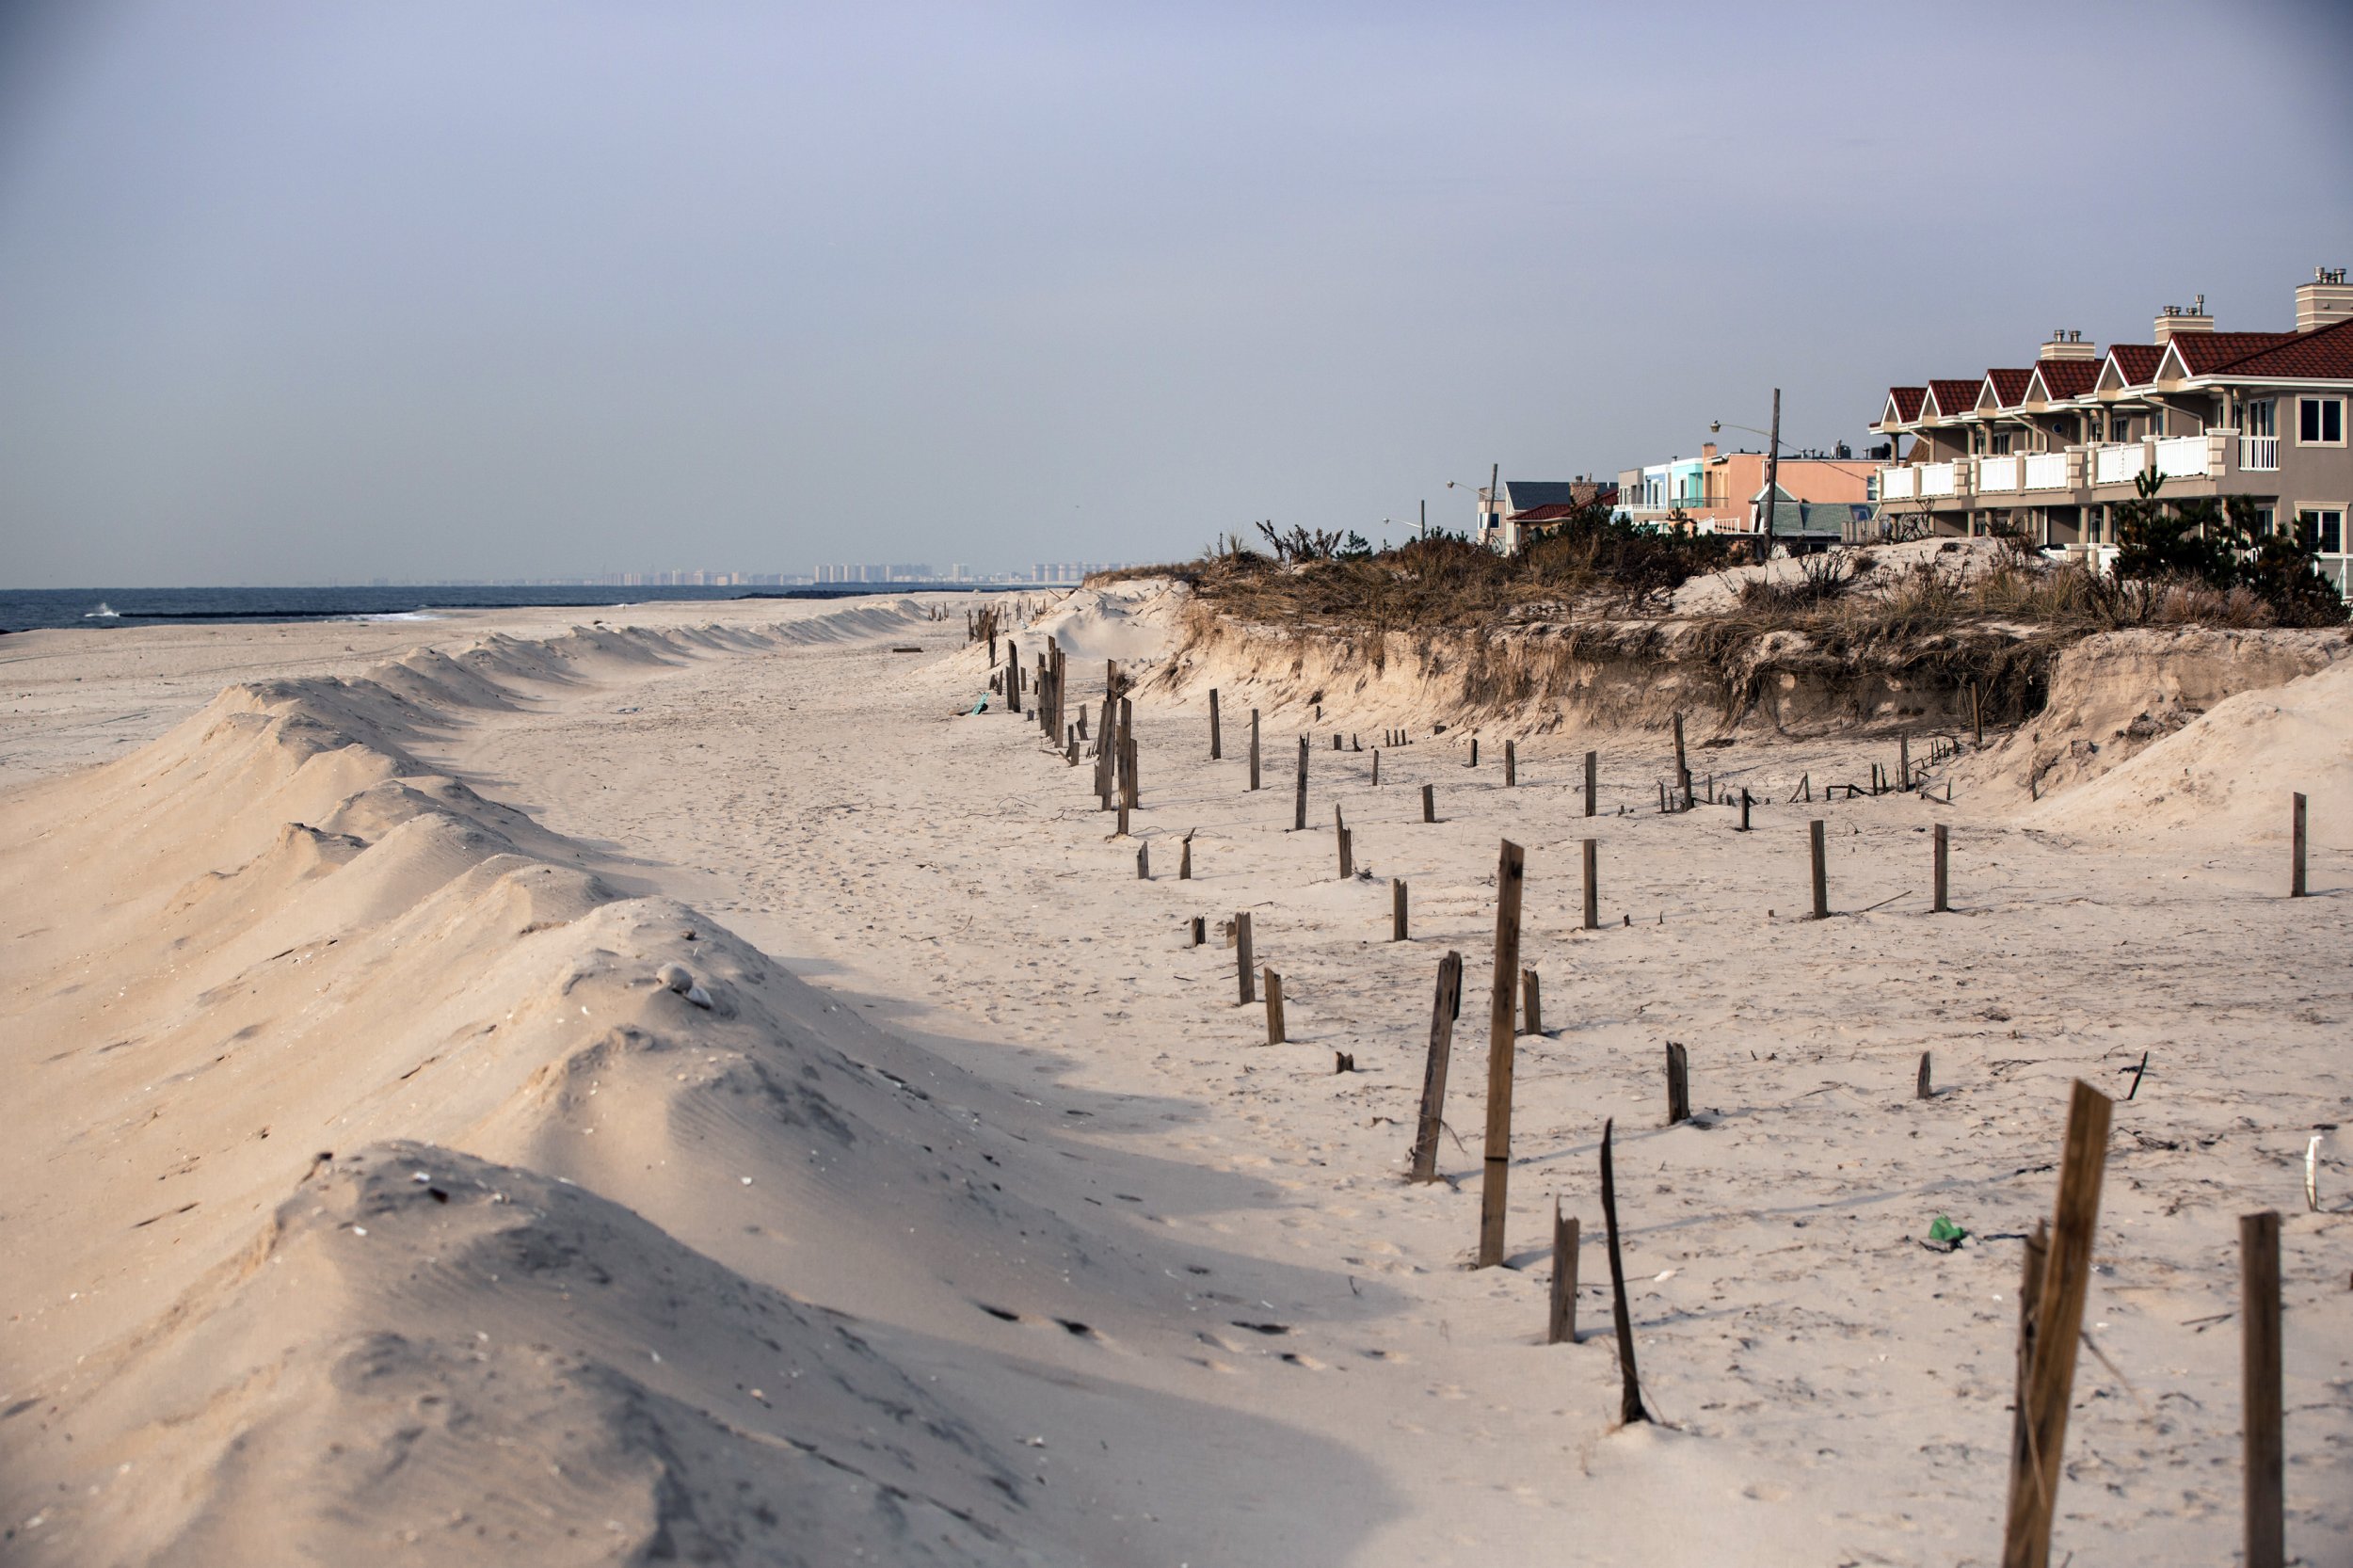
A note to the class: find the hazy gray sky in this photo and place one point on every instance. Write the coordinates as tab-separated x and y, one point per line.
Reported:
292	291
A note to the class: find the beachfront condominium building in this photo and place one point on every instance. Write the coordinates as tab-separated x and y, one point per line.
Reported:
1722	492
2053	448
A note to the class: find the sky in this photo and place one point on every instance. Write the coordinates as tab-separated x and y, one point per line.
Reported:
294	293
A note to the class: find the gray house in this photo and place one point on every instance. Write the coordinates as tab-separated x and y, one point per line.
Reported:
2054	447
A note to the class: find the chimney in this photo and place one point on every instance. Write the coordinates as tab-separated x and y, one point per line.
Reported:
2065	344
1707	452
2175	321
2324	302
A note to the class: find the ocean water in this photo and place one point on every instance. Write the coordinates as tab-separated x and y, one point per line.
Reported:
108	609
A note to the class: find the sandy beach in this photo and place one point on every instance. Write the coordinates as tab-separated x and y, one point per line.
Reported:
677	1085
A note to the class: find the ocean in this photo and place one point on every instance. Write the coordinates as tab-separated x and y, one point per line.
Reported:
102	609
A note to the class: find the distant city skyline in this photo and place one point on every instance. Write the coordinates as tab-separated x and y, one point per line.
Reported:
303	293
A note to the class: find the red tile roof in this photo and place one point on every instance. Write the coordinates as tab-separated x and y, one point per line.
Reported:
2137	361
2325	354
1955	397
2066	378
2010	386
2205	352
1906	401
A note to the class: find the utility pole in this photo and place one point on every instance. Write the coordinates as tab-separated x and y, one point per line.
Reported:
1423	531
1772	474
1495	497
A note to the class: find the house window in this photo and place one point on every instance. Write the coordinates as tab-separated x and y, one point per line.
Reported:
2263	515
2320	421
2324	526
2001	445
2256	419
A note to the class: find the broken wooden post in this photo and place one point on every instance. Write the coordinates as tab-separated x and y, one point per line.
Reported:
1821	878
2035	1457
1254	748
1216	740
1184	859
1241	957
1532	1004
1474	751
2259	1388
1273	1008
1629	1386
1678	1084
1921	1090
1682	768
1429	803
1560	1323
1396	909
1510	878
1941	906
1347	854
1744	810
1376	766
1592	765
1593	886
1662	797
1299	802
1200	930
2296	833
1443	1008
1336	739
1903	761
1511	764
1144	862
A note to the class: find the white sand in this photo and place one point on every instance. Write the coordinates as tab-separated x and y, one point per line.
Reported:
973	1222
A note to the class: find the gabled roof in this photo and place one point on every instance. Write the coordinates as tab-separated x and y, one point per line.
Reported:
2058	380
2202	353
2129	364
1903	405
1525	496
2322	354
1947	398
2005	386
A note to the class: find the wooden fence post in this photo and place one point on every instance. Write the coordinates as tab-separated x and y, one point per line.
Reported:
1744	810
1448	1002
1822	877
1629	1384
1216	741
1682	768
1347	857
1396	909
1184	859
1273	1008
1593	886
1241	957
1976	715
1299	802
1678	1084
1923	1089
1532	1004
1560	1325
2260	1385
1510	878
1941	906
1592	768
1474	751
1376	767
1254	748
2035	1465
2295	866
1429	803
1200	930
1903	761
1511	764
1144	862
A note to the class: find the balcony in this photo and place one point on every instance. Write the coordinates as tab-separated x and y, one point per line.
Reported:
1997	475
2117	465
2259	453
1940	479
1897	484
2047	470
2182	457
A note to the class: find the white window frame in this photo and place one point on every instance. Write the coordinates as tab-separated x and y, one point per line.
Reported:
2307	400
2314	512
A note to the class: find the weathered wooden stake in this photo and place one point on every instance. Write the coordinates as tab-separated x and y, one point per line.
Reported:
1376	766
1184	859
1560	1325
1144	862
2260	1385
1443	1008
1592	768
1429	803
1821	876
1510	878
1941	907
1347	854
1241	957
1593	886
1254	748
1532	1004
1682	768
1511	764
1903	761
1273	1008
1630	1384
1200	930
2035	1457
1678	1084
1744	810
1396	909
2295	866
1474	751
1217	745
1923	1090
1299	802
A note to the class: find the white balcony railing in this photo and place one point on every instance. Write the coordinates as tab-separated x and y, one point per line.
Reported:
1938	478
2182	456
1998	474
2118	465
2047	471
2258	452
1896	483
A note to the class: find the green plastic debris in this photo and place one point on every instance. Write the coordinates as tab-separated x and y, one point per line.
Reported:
1945	1231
